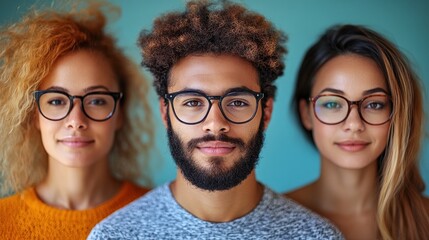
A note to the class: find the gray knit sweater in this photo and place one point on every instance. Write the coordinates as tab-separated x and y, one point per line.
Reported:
158	216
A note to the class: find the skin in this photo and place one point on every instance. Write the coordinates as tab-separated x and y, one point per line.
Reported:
77	146
214	75
346	191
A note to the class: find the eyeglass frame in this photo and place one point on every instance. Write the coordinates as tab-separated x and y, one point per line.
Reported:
258	96
358	103
116	97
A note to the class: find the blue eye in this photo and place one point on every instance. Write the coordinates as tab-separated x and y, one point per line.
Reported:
331	105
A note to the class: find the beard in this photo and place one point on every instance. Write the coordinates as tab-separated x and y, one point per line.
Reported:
217	177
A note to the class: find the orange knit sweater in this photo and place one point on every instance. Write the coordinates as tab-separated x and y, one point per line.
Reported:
25	216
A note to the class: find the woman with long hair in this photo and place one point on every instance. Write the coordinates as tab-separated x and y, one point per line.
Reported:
70	143
360	103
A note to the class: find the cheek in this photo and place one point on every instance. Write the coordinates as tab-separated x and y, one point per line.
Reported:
45	126
187	132
47	132
246	132
107	129
381	134
184	131
322	133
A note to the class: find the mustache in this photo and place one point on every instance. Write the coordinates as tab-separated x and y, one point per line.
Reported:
222	137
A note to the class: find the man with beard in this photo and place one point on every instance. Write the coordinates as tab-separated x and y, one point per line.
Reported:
214	69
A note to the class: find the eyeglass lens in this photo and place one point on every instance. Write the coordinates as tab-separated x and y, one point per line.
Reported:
55	106
374	109
193	107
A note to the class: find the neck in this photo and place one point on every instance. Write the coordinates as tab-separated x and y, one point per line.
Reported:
218	206
77	188
347	190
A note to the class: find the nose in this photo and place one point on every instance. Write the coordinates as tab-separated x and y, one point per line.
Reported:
76	119
215	122
354	121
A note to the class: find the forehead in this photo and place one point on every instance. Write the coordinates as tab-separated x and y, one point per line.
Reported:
79	70
213	74
351	74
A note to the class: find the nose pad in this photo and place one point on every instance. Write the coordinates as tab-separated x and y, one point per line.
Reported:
215	122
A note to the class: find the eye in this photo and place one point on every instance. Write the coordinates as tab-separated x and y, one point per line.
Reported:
193	103
97	102
331	105
238	103
375	105
56	102
238	100
54	99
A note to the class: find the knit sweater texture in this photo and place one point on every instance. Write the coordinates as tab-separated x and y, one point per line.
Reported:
25	216
157	215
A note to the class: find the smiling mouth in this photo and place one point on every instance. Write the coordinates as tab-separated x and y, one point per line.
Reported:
352	146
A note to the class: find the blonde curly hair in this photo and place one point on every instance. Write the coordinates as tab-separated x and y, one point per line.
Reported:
28	51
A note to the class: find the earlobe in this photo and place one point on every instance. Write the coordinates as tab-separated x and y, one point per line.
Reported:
304	112
268	111
163	108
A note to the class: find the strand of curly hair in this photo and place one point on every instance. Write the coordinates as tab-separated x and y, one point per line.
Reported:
209	28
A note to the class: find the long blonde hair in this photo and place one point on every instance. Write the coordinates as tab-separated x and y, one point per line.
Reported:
401	212
28	51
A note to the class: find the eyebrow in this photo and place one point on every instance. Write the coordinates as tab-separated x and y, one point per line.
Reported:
85	90
366	92
229	90
92	88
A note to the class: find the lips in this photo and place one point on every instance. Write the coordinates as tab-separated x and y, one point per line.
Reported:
216	148
76	141
352	145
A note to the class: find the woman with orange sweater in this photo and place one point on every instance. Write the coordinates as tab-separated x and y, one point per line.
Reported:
69	143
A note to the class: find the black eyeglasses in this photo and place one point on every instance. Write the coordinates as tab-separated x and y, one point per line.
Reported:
332	109
55	105
192	107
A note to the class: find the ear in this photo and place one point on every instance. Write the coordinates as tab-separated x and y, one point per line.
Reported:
268	111
304	111
163	108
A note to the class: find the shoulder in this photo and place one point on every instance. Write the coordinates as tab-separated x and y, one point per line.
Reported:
134	216
133	189
18	199
295	220
292	211
13	210
301	195
150	201
10	202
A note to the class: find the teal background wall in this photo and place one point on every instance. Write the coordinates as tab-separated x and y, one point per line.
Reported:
287	160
